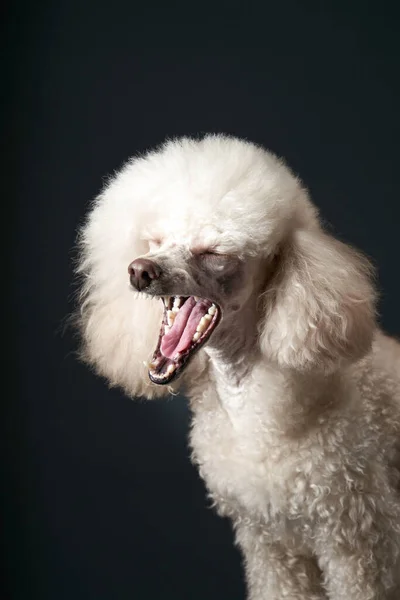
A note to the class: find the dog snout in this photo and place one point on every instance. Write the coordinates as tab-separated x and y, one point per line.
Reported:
142	272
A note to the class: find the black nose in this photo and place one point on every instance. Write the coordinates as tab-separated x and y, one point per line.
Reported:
142	271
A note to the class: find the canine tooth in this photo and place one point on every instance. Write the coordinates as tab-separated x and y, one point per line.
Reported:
171	369
202	326
212	310
149	365
196	298
177	301
196	336
170	316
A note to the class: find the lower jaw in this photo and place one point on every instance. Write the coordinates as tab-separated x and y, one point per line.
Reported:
162	369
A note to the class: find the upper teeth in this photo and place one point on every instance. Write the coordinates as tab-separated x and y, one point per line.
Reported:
177	302
167	302
171	317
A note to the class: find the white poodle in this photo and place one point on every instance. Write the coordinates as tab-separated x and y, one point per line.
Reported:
205	269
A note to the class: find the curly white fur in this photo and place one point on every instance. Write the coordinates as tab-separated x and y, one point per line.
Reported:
296	397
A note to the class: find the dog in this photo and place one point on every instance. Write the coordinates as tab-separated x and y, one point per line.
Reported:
205	268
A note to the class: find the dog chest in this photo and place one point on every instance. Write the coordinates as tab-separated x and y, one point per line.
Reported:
239	463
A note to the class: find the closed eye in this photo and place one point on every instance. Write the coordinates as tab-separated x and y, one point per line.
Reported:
154	244
211	253
213	260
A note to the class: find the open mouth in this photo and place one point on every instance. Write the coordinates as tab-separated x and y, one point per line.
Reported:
187	324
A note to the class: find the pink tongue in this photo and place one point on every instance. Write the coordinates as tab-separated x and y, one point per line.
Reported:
182	331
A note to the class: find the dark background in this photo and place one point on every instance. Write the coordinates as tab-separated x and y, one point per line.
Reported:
101	502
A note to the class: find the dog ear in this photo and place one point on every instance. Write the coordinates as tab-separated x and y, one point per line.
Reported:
118	337
119	327
319	307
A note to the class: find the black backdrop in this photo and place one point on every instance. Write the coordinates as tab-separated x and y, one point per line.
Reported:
101	500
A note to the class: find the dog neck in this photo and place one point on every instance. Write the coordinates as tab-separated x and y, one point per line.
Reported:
233	352
291	400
